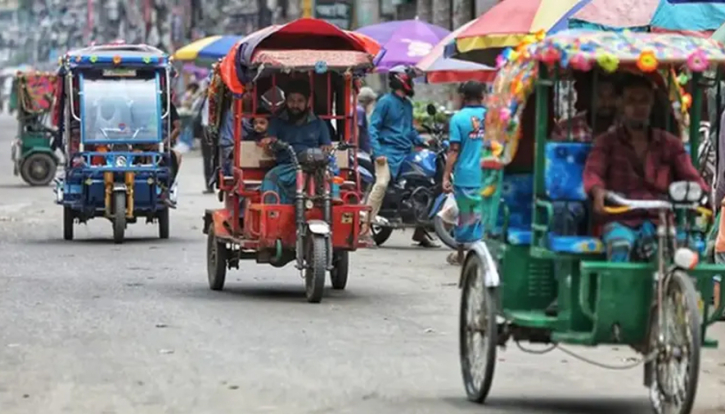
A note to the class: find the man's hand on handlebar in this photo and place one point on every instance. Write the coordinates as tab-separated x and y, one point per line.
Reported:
326	148
599	196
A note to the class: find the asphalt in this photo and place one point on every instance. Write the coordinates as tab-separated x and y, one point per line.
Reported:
92	327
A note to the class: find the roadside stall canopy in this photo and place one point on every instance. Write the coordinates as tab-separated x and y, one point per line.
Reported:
615	15
700	18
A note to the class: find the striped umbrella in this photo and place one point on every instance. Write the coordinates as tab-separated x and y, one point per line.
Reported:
507	23
440	69
208	48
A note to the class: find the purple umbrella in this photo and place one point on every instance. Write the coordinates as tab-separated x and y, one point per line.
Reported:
406	42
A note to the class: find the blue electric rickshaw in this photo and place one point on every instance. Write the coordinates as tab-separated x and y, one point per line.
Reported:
114	113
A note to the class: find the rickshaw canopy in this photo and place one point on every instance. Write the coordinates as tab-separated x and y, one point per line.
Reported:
115	56
651	53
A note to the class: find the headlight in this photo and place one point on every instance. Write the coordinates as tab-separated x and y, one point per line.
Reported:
121	161
685	191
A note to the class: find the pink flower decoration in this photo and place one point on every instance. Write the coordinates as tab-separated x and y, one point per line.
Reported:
500	61
580	62
698	61
504	115
549	55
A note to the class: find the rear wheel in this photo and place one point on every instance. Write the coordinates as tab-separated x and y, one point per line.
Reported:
676	365
381	234
216	261
444	231
38	169
163	219
316	260
338	274
478	332
68	223
119	216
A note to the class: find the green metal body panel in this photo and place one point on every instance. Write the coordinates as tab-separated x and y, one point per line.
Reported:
31	142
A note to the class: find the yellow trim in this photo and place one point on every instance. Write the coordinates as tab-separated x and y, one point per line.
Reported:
468	44
616	210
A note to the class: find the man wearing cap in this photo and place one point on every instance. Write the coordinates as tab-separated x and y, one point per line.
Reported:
299	127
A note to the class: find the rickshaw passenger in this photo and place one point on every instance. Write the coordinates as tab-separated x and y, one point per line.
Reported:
255	130
570	215
299	127
639	162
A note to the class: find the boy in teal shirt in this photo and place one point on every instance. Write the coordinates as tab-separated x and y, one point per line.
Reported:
464	161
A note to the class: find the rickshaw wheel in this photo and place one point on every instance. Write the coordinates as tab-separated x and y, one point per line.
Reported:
316	259
216	261
38	169
681	355
68	223
163	218
338	274
119	216
478	332
444	231
381	234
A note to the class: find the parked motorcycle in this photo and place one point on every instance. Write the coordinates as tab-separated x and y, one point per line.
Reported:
415	197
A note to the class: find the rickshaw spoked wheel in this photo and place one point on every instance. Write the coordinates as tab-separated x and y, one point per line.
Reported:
119	216
316	270
478	332
679	356
340	270
38	169
68	219
163	218
216	261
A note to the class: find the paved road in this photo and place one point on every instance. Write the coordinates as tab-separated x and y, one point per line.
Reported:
91	327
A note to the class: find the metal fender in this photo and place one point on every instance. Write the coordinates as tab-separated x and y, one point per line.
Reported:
437	205
318	227
491	277
119	187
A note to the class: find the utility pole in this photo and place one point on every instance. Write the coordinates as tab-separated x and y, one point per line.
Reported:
423	9
442	13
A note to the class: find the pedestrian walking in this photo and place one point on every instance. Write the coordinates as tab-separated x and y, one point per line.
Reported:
365	105
464	161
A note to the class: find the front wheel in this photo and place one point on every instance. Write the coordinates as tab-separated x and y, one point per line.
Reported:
216	261
119	216
676	366
68	219
340	270
316	260
444	231
163	219
38	169
478	332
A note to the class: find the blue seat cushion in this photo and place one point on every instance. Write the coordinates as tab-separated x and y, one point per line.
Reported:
560	244
564	169
517	193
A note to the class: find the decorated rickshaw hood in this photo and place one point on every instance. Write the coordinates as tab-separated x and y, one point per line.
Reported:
320	44
583	50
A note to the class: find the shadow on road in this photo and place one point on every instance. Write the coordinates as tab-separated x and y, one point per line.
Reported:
263	291
551	405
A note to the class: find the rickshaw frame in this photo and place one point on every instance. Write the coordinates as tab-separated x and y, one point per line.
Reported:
120	185
276	233
34	143
599	302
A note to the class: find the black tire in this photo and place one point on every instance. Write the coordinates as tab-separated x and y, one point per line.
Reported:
316	259
68	219
444	231
381	234
477	389
216	261
38	169
119	216
338	274
163	218
662	399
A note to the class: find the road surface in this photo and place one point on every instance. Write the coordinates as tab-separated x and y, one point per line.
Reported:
92	327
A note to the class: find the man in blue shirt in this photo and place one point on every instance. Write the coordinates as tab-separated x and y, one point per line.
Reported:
392	138
299	127
464	160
